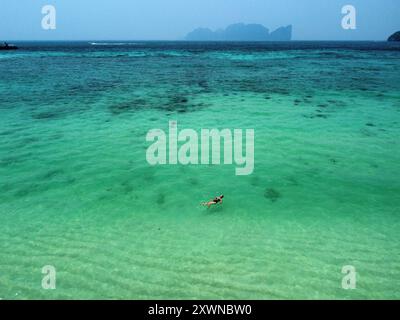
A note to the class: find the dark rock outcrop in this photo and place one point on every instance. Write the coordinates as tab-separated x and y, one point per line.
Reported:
395	36
7	46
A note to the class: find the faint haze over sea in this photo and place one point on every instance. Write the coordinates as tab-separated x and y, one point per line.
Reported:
173	19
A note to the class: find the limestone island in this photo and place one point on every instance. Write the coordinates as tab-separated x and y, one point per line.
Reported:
241	32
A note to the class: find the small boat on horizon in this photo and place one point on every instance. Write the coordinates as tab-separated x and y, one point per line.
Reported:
7	46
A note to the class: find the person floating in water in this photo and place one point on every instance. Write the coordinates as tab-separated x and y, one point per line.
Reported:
214	201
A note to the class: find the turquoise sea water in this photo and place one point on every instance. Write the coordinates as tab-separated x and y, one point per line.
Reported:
77	193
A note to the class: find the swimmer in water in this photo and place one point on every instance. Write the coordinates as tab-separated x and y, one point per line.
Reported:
215	201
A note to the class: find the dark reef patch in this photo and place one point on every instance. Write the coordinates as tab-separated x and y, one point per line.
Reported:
333	161
105	197
281	91
292	181
127	187
56	136
255	181
92	86
70	180
367	133
204	85
272	194
23	192
52	174
313	116
160	199
333	101
27	190
193	181
8	132
128	106
180	103
10	160
5	187
46	115
29	140
177	103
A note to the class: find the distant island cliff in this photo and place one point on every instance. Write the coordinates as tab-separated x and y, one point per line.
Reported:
241	32
395	36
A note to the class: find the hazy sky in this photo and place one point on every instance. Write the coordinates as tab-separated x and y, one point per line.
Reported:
172	19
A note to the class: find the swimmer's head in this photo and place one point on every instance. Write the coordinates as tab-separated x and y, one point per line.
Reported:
221	196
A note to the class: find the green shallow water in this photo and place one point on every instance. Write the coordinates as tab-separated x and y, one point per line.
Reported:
77	193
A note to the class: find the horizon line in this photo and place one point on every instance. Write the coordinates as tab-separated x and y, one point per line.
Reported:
182	40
